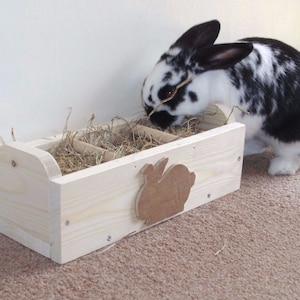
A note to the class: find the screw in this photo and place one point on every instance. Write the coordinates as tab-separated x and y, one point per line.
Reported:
13	163
67	223
108	238
239	158
208	195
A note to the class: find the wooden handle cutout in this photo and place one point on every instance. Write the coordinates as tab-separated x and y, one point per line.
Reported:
163	195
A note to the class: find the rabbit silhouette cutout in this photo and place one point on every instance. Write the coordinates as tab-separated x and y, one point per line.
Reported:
163	195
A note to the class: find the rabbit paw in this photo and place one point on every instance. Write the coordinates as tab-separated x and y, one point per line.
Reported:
284	165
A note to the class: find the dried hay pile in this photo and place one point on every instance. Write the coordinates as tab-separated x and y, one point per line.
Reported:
117	140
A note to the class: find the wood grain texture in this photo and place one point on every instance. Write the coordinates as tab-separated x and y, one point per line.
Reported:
65	217
216	115
24	194
161	136
83	147
96	207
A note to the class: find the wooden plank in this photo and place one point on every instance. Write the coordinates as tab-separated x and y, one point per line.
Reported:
25	238
216	115
46	143
161	136
24	190
83	147
97	206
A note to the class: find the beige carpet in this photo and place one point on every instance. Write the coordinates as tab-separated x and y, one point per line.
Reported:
243	246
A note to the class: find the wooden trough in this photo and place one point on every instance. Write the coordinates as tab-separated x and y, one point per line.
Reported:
64	217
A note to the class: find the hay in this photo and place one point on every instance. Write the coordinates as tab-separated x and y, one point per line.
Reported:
118	139
190	127
121	140
70	160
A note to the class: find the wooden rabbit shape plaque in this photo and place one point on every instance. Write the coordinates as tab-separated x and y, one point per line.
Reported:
163	195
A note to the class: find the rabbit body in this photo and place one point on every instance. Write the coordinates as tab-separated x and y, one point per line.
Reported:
255	75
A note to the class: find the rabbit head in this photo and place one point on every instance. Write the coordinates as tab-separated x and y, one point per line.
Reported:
173	90
261	76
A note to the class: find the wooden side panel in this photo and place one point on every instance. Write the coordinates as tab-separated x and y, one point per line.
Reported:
46	143
95	207
24	189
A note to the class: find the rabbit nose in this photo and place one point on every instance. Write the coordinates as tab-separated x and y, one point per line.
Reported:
162	119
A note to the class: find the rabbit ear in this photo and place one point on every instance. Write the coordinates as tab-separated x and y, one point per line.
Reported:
199	36
148	169
220	56
159	168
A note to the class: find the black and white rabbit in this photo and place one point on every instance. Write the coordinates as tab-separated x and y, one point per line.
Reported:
258	75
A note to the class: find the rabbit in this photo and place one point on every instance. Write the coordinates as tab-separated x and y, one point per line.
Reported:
260	76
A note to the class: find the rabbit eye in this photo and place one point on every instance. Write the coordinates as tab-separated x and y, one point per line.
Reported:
171	93
167	92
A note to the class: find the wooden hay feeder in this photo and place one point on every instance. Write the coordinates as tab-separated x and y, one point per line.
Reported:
66	216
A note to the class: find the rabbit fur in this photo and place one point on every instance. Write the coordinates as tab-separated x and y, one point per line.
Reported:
257	75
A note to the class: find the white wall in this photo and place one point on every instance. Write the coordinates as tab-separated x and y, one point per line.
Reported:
92	55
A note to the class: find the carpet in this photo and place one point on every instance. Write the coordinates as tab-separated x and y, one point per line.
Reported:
245	245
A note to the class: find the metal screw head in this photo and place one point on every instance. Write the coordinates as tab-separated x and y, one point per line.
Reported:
108	238
67	223
13	163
